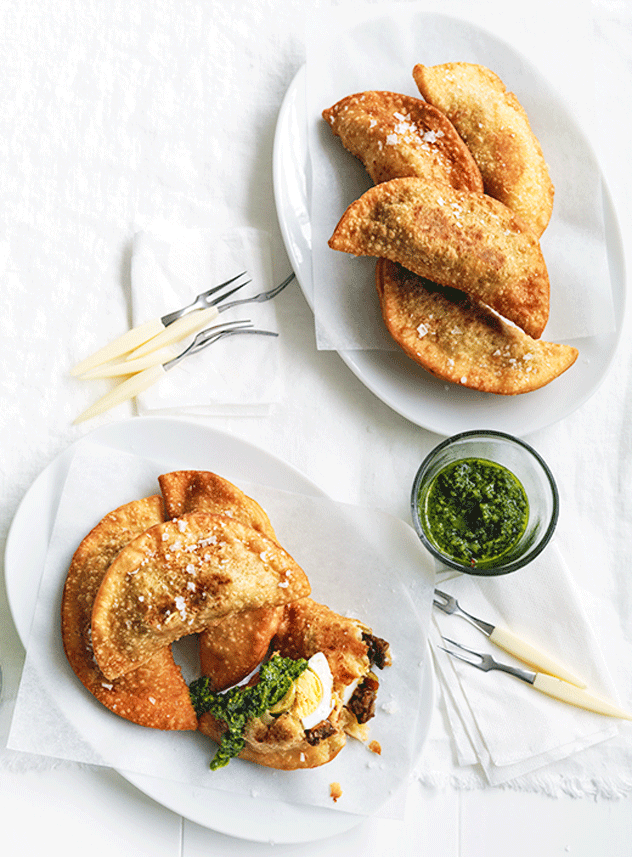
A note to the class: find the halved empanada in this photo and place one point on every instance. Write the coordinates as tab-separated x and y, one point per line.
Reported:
281	739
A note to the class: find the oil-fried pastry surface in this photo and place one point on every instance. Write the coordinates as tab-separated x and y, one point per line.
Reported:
455	238
309	627
281	742
461	341
153	695
397	135
230	647
186	491
233	646
496	129
176	577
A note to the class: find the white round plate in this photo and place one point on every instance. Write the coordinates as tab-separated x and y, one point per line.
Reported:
395	379
177	444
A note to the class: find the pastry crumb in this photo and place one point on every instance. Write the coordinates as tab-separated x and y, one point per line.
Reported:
335	791
375	747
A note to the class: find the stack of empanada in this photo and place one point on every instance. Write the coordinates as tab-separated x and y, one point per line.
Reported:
462	195
204	560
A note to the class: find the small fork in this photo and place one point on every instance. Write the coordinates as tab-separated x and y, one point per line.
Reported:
547	684
507	640
450	605
160	332
486	662
202	300
192	321
144	379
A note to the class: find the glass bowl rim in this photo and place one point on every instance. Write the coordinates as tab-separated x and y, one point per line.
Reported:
490	571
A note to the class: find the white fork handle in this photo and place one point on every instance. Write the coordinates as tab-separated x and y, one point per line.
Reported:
125	390
527	653
175	331
128	341
576	696
129	367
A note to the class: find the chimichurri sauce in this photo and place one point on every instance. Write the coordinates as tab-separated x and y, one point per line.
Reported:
475	511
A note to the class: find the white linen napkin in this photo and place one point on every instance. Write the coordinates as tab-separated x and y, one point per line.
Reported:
496	720
238	375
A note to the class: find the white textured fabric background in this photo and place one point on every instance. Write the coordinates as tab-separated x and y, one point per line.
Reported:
118	116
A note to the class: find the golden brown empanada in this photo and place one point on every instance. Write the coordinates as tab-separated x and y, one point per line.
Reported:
459	239
153	695
461	341
176	577
497	132
397	135
310	629
232	646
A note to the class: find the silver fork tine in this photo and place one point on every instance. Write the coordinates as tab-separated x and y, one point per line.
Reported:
448	604
261	297
445	602
213	334
487	663
202	300
482	662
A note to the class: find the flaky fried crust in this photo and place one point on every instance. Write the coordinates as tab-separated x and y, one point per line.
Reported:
155	695
397	135
186	491
281	746
308	627
454	238
461	341
234	645
281	742
497	132
176	577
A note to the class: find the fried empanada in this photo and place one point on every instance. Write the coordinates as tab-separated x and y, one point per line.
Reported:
461	341
176	577
351	650
497	132
153	695
459	239
186	491
230	647
397	135
233	646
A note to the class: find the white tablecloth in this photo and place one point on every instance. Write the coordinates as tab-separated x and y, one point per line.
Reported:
117	117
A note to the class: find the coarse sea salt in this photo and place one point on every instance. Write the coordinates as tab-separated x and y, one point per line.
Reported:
181	607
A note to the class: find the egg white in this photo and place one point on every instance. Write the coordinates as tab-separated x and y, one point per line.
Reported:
318	664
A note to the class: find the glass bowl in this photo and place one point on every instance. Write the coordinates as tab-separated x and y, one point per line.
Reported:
529	469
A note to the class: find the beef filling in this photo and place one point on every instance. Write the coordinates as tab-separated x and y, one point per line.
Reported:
379	651
362	703
321	731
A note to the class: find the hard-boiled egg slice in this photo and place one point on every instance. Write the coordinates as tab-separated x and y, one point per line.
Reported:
314	688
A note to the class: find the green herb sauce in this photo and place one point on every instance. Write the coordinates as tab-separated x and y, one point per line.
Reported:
236	706
475	511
